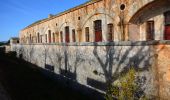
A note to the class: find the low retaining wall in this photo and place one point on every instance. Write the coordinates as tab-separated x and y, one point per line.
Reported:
95	64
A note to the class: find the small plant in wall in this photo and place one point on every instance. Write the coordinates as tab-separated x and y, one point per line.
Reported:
126	88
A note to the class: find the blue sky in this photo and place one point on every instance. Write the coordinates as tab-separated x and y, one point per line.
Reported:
17	14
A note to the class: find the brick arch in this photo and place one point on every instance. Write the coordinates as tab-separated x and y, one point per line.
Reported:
100	11
67	23
150	10
71	26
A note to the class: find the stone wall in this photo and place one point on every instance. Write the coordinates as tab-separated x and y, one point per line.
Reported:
163	67
95	64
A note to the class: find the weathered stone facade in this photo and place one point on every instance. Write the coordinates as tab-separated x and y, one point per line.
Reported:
69	43
94	64
128	23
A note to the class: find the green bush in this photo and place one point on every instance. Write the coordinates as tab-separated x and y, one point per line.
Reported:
125	88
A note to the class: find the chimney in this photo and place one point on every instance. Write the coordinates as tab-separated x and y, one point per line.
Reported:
50	15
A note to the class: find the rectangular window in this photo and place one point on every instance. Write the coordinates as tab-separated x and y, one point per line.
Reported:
87	34
67	40
73	35
150	30
110	32
61	36
49	36
98	30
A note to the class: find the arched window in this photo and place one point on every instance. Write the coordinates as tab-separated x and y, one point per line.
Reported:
98	30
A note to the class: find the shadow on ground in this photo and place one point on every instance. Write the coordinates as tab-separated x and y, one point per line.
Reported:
24	81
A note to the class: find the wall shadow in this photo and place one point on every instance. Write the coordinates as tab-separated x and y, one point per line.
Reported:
44	84
116	56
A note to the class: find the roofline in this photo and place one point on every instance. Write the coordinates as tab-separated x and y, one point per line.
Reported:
62	13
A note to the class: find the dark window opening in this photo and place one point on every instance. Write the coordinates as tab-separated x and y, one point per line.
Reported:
73	35
87	34
38	38
98	30
49	36
110	32
150	30
122	6
67	40
61	36
78	18
167	26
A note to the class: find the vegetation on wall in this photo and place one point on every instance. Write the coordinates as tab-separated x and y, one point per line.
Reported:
126	88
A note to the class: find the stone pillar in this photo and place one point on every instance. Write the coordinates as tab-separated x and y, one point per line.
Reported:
134	32
79	35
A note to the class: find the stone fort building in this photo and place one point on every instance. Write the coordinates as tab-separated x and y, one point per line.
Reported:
103	20
93	43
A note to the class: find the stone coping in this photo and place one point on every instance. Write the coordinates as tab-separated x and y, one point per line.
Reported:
115	43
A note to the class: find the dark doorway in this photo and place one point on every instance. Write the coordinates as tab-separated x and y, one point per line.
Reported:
167	26
98	30
150	30
67	40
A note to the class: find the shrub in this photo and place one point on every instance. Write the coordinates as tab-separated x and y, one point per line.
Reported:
126	88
